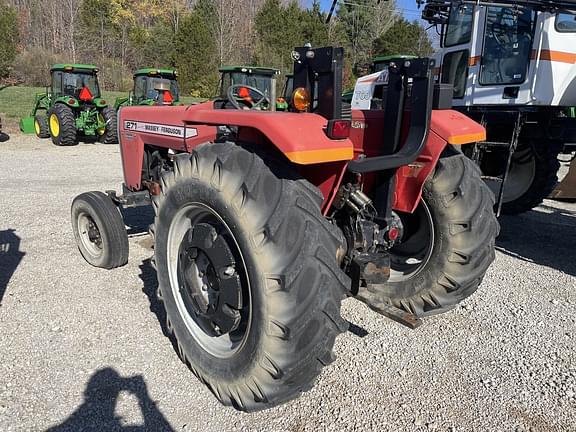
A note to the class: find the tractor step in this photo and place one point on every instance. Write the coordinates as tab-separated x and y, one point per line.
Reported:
371	297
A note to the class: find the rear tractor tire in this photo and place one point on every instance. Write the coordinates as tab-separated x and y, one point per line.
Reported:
62	125
248	275
41	126
99	230
449	241
110	134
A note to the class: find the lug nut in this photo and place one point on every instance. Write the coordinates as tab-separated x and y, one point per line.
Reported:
229	271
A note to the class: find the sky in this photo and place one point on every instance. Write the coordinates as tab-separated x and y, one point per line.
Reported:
408	8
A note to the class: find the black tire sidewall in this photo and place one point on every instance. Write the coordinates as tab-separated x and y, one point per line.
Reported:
66	120
546	166
106	216
427	275
244	360
109	135
463	225
43	123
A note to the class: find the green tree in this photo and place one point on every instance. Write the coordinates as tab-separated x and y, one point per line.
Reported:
281	28
155	47
406	38
196	53
313	26
361	22
8	38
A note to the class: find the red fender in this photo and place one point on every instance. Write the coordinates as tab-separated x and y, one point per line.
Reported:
446	127
300	137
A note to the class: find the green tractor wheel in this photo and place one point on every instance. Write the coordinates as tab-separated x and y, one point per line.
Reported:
62	125
41	126
108	134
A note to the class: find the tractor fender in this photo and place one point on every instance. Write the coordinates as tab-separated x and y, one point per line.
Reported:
101	103
447	127
300	137
70	101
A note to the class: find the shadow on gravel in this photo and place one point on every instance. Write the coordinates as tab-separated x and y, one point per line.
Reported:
150	288
138	219
545	236
97	412
10	257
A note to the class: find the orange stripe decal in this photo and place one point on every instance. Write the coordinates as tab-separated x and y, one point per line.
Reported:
467	138
555	56
307	157
473	61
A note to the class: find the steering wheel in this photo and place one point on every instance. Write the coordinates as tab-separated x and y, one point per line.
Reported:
232	96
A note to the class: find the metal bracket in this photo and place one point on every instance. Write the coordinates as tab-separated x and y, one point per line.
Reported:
130	198
373	300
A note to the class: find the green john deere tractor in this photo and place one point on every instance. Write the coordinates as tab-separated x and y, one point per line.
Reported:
252	87
71	107
152	87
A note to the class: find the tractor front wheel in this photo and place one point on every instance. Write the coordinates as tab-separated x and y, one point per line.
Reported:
448	242
99	230
248	274
108	135
62	125
41	126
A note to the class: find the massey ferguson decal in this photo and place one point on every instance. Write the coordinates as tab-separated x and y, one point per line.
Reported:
160	129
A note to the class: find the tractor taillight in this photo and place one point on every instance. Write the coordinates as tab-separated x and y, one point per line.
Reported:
338	129
72	101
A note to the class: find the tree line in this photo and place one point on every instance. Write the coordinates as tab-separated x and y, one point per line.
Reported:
194	36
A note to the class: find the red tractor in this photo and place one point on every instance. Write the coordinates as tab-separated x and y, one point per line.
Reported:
265	221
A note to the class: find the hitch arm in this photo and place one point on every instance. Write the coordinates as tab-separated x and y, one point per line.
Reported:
418	73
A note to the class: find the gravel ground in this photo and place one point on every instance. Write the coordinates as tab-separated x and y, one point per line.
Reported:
82	348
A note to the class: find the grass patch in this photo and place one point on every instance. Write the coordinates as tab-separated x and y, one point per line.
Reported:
17	102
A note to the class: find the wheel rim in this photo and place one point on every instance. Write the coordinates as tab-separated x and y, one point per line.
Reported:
413	254
37	127
101	130
90	236
520	176
208	280
54	125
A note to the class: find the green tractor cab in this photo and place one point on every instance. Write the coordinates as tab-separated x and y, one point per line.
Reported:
380	63
251	86
152	87
72	106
